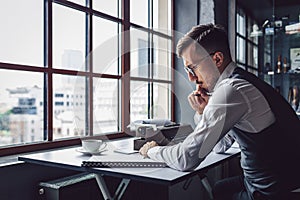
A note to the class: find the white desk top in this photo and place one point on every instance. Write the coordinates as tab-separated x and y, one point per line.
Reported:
71	159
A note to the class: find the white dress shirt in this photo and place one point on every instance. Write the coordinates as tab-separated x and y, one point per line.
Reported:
234	103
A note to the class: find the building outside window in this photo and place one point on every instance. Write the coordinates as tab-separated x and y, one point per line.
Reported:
58	50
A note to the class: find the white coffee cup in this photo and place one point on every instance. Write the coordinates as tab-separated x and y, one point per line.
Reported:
91	145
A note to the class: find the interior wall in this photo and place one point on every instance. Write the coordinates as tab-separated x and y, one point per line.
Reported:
21	180
221	12
231	27
186	17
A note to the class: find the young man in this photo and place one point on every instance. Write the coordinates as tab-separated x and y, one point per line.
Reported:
232	104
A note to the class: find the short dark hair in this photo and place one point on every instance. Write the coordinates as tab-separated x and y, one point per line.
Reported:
211	37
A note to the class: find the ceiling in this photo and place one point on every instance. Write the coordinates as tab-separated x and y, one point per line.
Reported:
263	9
285	2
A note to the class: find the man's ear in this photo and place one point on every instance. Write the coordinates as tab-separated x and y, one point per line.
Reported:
219	58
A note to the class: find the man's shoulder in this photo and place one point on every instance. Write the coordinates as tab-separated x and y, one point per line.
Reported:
235	82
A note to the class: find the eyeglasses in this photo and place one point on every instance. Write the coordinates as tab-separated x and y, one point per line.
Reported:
190	69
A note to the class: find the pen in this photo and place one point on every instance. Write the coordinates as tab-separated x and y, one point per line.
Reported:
206	93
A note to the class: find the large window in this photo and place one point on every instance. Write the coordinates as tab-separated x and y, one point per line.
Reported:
81	68
246	43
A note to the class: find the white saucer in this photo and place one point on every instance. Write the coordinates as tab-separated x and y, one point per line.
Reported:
100	150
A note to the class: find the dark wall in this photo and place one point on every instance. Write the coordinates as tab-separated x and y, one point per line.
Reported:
221	13
20	181
186	17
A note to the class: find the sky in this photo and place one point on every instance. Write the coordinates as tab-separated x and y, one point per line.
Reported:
22	34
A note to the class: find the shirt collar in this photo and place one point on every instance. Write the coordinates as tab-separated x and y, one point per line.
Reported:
226	73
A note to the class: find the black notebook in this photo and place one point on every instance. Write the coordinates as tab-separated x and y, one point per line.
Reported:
123	164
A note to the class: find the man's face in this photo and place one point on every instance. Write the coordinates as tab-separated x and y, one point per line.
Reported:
202	69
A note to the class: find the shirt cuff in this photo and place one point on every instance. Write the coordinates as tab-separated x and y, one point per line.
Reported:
153	153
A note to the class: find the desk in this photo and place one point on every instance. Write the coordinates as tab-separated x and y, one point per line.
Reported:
70	159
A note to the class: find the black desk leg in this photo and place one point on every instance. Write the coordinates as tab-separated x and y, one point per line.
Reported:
105	192
206	184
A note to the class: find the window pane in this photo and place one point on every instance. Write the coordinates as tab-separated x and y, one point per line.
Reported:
106	105
138	100
21	107
252	56
69	106
252	28
109	7
161	101
139	12
253	71
267	62
162	16
140	53
255	57
68	43
241	23
21	35
162	58
105	46
241	46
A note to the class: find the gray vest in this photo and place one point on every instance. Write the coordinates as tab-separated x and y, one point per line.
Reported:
270	158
